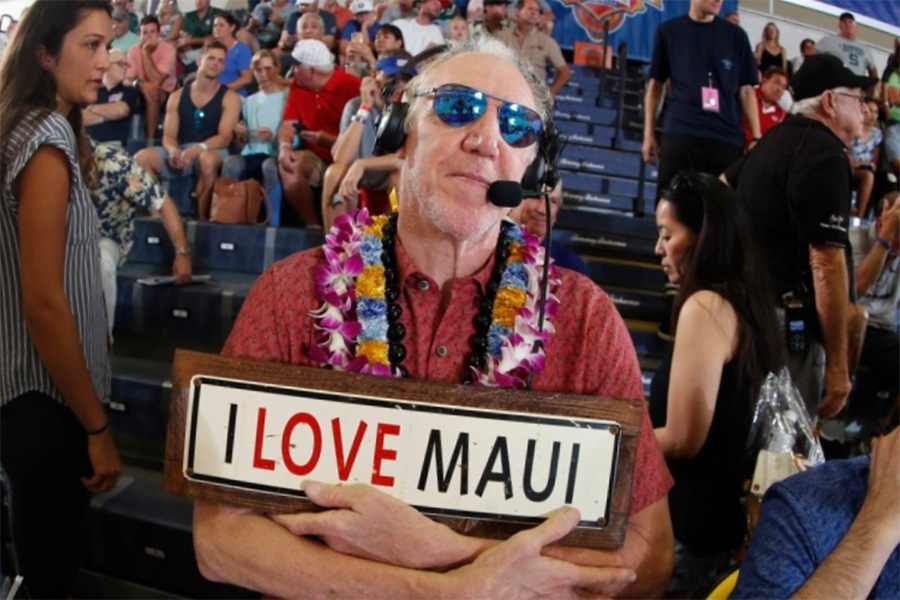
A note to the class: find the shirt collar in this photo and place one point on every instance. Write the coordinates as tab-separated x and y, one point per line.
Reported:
410	275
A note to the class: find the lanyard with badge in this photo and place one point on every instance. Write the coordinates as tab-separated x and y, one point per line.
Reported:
709	94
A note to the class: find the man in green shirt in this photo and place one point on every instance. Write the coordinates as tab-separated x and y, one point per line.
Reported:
196	30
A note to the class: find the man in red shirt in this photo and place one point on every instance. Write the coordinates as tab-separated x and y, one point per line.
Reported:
151	69
438	257
314	107
768	93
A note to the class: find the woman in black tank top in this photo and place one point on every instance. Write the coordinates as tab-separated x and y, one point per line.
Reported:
726	341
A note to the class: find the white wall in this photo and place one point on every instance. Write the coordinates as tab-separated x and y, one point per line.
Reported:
792	33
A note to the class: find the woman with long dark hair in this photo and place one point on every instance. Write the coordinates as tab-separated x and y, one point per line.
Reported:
726	342
55	444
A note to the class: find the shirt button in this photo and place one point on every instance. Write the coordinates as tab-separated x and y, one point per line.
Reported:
441	350
424	285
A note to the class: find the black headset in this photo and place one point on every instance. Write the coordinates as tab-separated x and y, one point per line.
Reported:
390	133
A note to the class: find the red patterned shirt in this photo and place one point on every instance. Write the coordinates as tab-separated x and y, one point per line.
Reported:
590	354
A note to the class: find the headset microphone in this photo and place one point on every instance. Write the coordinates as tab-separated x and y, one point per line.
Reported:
507	194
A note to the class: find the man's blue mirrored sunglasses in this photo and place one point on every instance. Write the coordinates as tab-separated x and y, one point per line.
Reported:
458	105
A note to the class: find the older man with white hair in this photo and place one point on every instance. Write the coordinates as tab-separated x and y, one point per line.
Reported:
314	107
107	119
796	188
475	115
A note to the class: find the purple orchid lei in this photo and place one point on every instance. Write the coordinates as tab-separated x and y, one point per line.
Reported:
351	327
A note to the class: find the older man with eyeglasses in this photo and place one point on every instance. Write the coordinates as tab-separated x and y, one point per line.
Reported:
108	118
795	186
474	118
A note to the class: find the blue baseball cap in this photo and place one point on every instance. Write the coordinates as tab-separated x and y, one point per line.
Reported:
391	65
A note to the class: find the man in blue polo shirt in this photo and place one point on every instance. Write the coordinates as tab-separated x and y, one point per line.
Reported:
712	72
832	532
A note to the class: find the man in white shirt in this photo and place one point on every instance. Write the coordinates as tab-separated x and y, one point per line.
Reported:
422	32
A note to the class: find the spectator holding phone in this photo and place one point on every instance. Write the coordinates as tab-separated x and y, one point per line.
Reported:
315	102
360	31
866	153
356	177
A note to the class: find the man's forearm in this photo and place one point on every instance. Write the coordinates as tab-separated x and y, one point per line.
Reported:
251	550
172	223
562	77
651	104
111	111
286	133
751	110
154	75
830	282
346	147
853	567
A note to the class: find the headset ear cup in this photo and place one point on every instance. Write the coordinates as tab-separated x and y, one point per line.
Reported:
535	173
390	134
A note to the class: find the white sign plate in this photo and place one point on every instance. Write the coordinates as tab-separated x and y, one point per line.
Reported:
444	460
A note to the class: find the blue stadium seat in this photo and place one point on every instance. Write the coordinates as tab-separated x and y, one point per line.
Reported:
626	275
576	157
290	240
145	536
139	403
197	313
181	190
230	247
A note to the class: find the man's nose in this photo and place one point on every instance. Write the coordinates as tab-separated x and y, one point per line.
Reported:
483	135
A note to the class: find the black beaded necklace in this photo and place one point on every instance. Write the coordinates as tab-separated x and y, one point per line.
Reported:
396	331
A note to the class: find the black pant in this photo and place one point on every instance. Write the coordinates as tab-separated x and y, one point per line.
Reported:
698	155
43	450
881	353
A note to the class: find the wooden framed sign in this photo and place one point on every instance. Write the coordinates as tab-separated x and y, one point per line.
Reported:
487	462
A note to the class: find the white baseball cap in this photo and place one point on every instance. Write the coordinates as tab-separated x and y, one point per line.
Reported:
361	6
312	53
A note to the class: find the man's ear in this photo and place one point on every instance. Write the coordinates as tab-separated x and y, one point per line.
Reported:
828	99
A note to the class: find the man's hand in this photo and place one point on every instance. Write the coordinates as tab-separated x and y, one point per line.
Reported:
349	189
312	137
265	134
360	50
370	524
174	158
149	47
650	149
189	156
241	131
368	90
516	568
889	223
837	390
287	159
182	269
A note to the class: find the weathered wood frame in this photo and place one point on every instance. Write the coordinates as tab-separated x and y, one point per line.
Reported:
187	364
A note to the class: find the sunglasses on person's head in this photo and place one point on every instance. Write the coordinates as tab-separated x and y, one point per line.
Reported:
458	105
199	113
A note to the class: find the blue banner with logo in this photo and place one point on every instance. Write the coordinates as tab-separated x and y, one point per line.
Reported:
886	11
632	21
